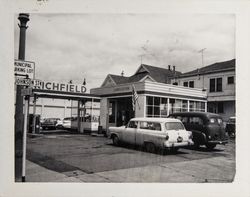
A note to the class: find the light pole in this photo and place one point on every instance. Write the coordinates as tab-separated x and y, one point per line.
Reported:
23	18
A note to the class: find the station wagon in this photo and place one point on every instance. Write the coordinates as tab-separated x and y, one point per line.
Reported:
152	133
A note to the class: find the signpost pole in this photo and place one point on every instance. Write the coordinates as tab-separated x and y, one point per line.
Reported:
23	18
26	106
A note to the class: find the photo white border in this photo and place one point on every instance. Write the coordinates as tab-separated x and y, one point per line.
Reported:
240	186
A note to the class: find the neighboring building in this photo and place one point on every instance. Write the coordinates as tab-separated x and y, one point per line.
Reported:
156	96
219	81
52	108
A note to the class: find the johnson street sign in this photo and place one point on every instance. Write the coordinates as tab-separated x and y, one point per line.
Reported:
24	69
23	81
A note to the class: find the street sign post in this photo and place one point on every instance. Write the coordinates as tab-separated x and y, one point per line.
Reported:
24	68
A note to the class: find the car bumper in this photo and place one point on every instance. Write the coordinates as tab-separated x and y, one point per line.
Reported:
178	144
218	142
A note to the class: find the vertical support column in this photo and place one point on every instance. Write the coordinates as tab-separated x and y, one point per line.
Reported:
188	106
205	106
78	117
116	104
34	115
92	102
168	106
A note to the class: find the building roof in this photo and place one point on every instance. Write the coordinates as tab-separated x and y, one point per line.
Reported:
157	74
160	74
216	67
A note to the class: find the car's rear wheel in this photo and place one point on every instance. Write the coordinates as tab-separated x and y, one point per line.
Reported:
175	149
115	140
150	147
210	146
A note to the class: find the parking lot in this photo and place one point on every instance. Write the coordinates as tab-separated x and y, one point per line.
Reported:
95	159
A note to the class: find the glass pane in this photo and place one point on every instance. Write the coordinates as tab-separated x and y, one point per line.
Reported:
212	85
149	100
156	110
157	101
219	84
164	100
149	110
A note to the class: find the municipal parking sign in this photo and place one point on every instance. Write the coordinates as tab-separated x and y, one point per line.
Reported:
24	68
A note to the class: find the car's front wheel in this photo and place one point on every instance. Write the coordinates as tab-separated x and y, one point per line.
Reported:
115	140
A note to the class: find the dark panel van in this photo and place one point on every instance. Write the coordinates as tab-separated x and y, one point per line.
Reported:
207	128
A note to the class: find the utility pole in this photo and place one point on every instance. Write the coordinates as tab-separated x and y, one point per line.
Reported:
19	124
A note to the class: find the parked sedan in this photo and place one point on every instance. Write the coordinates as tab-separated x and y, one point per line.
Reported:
152	133
49	123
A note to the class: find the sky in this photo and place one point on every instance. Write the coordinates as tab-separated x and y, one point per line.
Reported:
68	47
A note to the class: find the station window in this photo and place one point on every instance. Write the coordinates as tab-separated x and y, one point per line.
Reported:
185	84
175	83
191	84
215	85
188	84
230	80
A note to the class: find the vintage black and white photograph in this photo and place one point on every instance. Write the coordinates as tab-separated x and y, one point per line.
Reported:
146	98
124	99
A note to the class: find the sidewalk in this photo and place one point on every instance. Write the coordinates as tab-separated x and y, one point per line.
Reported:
37	173
180	172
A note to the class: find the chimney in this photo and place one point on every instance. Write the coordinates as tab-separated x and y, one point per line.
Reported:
169	67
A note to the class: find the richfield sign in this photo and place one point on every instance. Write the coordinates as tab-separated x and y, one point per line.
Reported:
62	87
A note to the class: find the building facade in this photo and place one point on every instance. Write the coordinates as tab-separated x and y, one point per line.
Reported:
219	81
156	97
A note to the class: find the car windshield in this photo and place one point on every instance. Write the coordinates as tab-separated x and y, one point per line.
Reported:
174	126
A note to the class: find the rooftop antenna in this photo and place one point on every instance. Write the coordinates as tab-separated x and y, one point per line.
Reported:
202	56
202	62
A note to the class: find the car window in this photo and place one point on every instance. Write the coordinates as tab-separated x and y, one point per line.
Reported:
132	124
216	120
150	125
219	120
174	126
196	120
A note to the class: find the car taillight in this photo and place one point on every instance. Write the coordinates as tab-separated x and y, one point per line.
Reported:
167	137
190	136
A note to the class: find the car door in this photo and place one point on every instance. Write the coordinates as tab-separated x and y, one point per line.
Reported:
129	132
149	132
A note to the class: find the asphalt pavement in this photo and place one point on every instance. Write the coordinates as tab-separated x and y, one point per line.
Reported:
60	157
